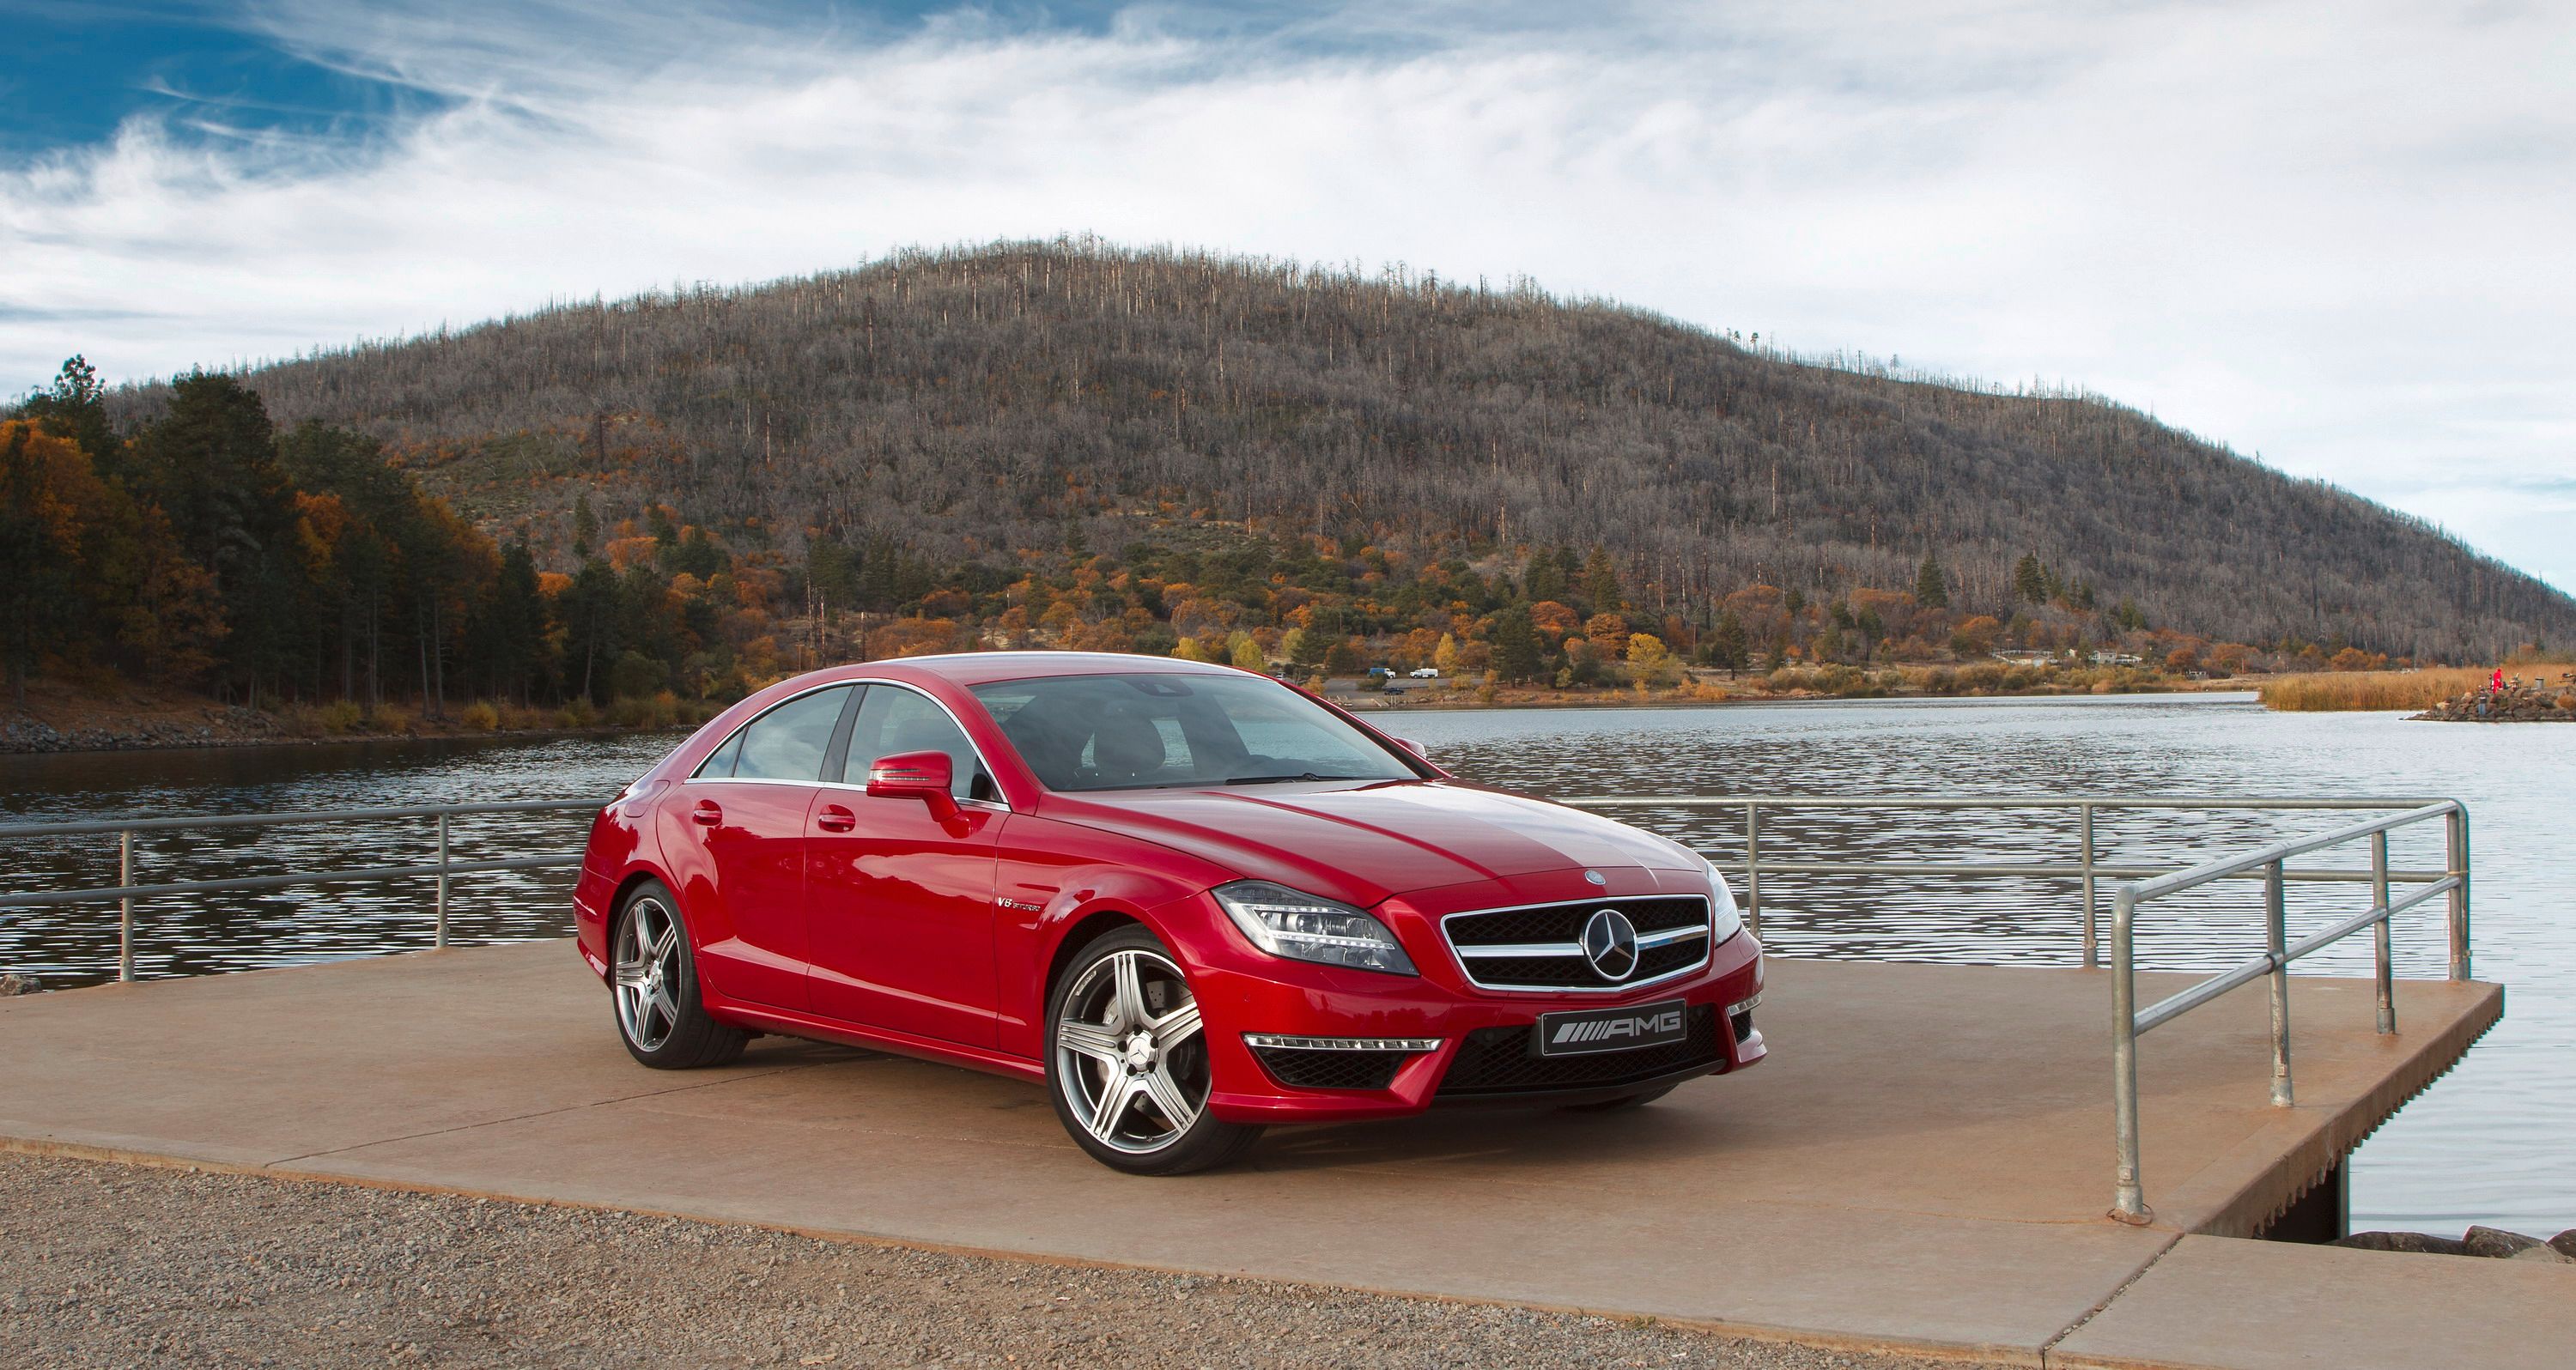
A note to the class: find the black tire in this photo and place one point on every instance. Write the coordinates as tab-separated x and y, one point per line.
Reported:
1138	1136
664	995
1622	1104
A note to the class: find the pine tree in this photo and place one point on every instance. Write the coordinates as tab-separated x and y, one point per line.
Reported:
1516	654
1930	591
1545	578
1601	583
211	464
75	407
2030	579
1728	648
510	632
585	527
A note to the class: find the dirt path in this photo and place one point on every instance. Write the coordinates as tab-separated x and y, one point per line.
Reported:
111	1265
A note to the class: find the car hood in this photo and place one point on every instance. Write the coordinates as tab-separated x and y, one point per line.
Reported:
1362	843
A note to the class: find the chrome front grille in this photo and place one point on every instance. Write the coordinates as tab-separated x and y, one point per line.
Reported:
1539	946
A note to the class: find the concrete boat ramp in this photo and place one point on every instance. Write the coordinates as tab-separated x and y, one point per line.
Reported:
1923	1165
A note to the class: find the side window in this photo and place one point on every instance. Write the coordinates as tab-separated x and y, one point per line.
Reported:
892	720
788	742
719	763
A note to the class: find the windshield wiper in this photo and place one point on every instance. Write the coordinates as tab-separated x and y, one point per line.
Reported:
1276	779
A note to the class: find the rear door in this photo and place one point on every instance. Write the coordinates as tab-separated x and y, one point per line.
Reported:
901	900
738	829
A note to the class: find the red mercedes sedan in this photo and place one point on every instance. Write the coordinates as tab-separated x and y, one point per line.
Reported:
1188	899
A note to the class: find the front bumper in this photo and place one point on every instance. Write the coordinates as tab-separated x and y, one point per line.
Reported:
1482	1033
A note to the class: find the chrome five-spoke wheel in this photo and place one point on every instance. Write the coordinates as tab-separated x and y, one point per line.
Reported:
1130	1065
648	973
653	976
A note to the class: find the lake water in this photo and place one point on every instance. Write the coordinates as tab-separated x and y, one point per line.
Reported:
2494	1142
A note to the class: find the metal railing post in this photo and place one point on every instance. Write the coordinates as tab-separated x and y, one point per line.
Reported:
1753	868
2092	948
442	880
2457	826
125	907
2129	1202
2381	934
2276	940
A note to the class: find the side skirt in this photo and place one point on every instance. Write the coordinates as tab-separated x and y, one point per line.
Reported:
785	1023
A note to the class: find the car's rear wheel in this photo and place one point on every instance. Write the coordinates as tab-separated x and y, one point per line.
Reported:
653	976
1127	1061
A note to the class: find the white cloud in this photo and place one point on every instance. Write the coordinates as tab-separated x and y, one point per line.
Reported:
2329	233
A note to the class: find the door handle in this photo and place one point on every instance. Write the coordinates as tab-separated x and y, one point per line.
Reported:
708	812
834	818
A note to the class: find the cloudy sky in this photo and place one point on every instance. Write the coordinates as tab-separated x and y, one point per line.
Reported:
2341	236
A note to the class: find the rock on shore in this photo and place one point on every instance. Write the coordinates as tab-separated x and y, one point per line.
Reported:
2520	701
2494	1243
221	727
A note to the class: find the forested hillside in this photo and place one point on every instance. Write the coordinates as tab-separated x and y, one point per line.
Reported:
684	497
966	403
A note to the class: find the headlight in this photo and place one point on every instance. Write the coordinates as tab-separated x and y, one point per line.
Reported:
1303	927
1727	920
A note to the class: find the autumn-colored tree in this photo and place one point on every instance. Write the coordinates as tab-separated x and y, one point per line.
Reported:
1245	652
1554	622
1446	656
53	509
1975	636
1608	634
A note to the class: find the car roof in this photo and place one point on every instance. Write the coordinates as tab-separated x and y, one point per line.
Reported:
983	668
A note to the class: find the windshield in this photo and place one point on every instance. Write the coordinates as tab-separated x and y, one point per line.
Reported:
1134	732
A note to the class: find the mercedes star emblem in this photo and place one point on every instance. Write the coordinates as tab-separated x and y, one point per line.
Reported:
1610	944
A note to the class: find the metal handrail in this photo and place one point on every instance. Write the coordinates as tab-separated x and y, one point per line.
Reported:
2129	1022
125	891
2085	868
92	826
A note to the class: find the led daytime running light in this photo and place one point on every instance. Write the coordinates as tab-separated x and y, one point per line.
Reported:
1276	1042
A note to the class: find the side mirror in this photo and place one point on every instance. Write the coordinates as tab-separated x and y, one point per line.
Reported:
925	776
1414	747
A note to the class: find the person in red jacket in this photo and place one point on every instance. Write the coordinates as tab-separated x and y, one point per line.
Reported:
2495	684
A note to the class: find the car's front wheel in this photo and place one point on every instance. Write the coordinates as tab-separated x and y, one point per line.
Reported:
1127	1061
653	974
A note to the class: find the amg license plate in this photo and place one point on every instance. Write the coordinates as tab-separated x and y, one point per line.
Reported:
1588	1031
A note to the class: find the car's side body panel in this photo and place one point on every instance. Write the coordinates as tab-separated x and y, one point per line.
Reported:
900	916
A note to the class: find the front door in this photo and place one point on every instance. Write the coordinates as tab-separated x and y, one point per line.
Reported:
735	838
901	902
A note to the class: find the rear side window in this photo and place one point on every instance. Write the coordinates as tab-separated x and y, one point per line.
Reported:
786	743
719	763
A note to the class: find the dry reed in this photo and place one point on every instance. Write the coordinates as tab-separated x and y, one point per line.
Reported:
2341	690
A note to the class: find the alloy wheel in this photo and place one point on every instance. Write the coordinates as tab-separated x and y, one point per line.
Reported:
1130	1053
648	974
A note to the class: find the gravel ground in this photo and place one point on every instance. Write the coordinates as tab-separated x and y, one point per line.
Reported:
115	1265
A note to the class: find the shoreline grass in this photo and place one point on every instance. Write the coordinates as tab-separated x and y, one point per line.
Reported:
2338	691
